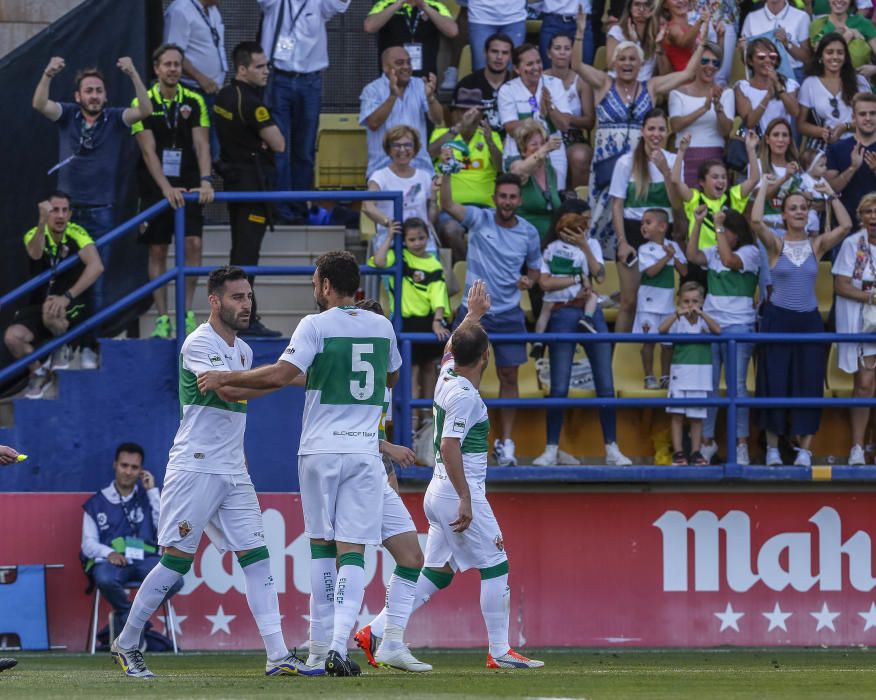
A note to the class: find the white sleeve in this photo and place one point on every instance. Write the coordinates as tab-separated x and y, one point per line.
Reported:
679	253
303	345
506	104
750	257
728	102
176	27
746	26
620	178
804	95
199	355
546	258
154	496
844	265
91	544
458	416
395	358
596	249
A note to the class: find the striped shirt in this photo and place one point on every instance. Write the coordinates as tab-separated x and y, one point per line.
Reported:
655	197
730	300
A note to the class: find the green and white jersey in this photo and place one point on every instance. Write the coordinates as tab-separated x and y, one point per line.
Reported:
210	435
730	300
346	353
561	259
691	362
459	412
655	197
656	294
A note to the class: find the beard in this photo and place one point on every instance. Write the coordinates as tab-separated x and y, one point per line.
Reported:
321	303
233	320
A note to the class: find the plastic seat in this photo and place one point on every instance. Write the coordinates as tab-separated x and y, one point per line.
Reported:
23	607
738	70
838	383
367	228
459	269
599	58
341	153
464	62
824	288
610	285
533	26
169	619
583	192
629	377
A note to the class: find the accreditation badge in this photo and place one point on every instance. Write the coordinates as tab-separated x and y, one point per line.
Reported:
134	549
171	162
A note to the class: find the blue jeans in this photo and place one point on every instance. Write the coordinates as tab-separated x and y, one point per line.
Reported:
479	33
565	320
551	25
295	104
744	352
111	579
97	221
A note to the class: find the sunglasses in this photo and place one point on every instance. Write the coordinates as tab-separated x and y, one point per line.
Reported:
713	61
771	56
834	106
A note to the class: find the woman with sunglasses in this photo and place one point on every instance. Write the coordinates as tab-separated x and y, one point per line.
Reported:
704	111
638	24
826	95
767	94
858	32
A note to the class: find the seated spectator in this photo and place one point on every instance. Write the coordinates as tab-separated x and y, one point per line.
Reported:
58	305
401	144
486	17
639	25
500	244
846	156
477	156
541	191
858	32
120	531
397	98
417	25
768	94
788	25
495	73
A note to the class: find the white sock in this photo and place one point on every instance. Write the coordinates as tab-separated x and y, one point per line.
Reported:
149	596
261	594
495	607
349	592
423	591
400	603
323	571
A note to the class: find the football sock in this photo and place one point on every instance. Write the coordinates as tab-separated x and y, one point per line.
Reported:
495	607
349	592
261	594
150	595
430	582
323	571
399	603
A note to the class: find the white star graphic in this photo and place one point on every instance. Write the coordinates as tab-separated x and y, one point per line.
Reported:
729	618
177	621
220	621
777	618
869	617
825	618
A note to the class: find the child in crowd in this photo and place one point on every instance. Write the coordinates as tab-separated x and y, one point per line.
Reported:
691	376
814	164
659	259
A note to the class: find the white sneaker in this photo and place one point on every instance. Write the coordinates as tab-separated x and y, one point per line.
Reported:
709	451
131	661
448	82
88	359
614	456
652	383
40	382
804	458
742	454
512	660
61	357
503	451
567	460
400	658
548	458
291	665
773	457
856	456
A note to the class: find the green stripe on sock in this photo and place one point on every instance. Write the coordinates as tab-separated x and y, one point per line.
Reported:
179	564
407	573
323	551
441	579
251	557
495	571
352	559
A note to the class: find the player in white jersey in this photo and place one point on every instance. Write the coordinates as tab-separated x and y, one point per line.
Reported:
350	356
207	486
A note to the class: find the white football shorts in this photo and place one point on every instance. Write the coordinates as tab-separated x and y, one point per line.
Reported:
396	518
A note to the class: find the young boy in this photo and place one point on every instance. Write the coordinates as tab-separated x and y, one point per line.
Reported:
691	373
657	258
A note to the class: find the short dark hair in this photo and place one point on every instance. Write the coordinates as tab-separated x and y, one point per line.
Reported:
60	194
84	73
498	36
561	35
243	53
707	165
163	49
468	344
736	222
131	447
508	179
660	213
228	273
520	50
414	222
371	305
341	270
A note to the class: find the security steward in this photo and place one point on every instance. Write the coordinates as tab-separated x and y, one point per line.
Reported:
248	139
175	144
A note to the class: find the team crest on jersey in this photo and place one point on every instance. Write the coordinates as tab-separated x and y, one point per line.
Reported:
419	276
185	111
500	544
215	360
185	527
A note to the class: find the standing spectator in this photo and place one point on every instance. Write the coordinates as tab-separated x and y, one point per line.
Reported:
415	24
248	137
500	244
558	17
295	43
495	73
196	26
486	17
768	94
787	24
175	145
794	370
540	196
779	156
857	31
680	40
120	531
397	98
59	304
640	25
725	13
846	156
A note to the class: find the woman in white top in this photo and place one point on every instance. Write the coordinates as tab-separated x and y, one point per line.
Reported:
768	94
778	156
638	24
579	96
704	110
855	283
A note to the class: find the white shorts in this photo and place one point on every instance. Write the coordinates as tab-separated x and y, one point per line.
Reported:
692	411
225	505
396	518
478	547
653	321
342	496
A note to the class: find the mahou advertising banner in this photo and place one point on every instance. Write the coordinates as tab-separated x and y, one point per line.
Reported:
586	569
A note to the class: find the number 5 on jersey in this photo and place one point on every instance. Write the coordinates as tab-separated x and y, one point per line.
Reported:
350	371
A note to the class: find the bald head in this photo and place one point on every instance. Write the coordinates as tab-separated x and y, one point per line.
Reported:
396	59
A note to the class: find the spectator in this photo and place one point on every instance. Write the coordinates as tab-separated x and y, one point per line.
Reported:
196	26
787	24
296	46
725	14
495	73
120	531
567	317
854	272
499	245
540	196
415	24
401	143
637	24
8	455
56	306
533	95
175	144
487	17
558	17
248	137
778	155
826	96
733	265
768	94
477	149
794	370
858	32
845	157
456	45
396	98
704	111
680	39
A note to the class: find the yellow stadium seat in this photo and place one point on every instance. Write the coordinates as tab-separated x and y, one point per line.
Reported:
527	380
824	288
629	377
600	58
464	62
459	268
738	69
583	192
839	383
341	153
609	286
367	228
533	26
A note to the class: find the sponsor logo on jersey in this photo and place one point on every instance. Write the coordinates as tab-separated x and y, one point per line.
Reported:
215	360
459	425
199	455
185	527
289	351
500	544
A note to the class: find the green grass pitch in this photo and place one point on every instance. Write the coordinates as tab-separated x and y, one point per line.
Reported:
595	675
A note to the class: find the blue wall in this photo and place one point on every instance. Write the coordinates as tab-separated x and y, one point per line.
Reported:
70	441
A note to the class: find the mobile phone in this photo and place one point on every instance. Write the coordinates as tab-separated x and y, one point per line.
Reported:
631	260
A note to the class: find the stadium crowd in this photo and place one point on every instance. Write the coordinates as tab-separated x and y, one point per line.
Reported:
683	145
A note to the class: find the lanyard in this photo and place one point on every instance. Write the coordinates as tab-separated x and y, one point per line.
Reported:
172	107
128	515
417	16
294	19
214	32
56	251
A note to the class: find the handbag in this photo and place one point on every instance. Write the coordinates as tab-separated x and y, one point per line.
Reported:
737	156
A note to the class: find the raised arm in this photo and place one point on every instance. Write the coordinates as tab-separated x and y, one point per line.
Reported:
693	252
132	115
684	192
770	241
374	21
595	78
457	211
41	102
750	182
728	257
664	84
828	241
